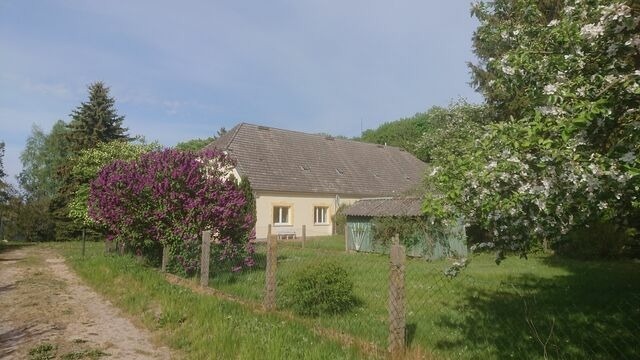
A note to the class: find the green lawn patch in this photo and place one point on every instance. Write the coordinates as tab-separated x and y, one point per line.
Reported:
523	308
198	326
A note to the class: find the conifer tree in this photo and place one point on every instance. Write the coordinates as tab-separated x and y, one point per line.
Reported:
96	120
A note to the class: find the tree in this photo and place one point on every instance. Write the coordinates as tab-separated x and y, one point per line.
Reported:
3	185
42	158
92	123
96	121
414	134
562	82
4	191
194	144
199	144
89	163
403	133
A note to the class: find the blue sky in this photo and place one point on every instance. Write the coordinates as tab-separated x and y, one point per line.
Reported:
183	69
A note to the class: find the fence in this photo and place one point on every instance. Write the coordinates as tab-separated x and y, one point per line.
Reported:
541	307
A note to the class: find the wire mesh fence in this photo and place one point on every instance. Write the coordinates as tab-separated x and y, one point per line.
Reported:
540	307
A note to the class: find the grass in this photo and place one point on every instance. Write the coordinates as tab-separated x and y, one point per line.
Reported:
523	308
197	326
541	307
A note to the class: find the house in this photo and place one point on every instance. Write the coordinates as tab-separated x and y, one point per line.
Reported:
301	179
427	240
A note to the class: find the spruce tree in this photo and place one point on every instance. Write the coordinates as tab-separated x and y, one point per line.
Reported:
96	120
93	122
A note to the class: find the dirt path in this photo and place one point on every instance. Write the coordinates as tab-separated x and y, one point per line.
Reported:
45	309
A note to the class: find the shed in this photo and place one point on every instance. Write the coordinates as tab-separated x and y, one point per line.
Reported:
431	242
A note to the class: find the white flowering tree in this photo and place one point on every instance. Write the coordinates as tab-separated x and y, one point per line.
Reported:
561	79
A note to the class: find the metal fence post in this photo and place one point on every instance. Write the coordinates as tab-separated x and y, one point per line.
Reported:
204	260
397	321
272	263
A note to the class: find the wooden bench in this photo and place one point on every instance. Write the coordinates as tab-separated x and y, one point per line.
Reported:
282	234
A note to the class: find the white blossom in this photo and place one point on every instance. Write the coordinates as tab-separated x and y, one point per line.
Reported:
628	157
550	110
592	31
508	70
550	89
553	22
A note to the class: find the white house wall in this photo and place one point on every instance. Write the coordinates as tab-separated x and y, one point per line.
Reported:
301	212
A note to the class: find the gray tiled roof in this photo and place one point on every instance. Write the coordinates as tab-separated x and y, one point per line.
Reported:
283	160
385	207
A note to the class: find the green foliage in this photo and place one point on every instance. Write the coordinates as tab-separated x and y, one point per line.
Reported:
199	144
340	219
89	163
31	220
44	351
96	120
186	319
322	288
410	229
597	241
194	144
414	134
2	173
93	122
4	187
403	133
562	84
43	156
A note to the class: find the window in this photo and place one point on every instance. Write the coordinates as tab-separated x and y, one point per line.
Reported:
280	215
320	215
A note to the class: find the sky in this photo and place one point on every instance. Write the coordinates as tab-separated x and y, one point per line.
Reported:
183	69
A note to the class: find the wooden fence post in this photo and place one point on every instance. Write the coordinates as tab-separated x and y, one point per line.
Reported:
346	237
268	232
397	321
165	257
272	264
304	235
204	260
83	243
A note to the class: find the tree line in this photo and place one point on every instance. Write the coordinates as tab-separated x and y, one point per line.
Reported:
58	166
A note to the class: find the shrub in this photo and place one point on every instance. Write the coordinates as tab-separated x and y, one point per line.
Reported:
166	198
318	289
598	241
340	219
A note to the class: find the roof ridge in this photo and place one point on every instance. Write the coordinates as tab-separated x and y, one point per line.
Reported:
235	133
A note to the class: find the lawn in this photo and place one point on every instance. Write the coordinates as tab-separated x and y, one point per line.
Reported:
198	326
522	308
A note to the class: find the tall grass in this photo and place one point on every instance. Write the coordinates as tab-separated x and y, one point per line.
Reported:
522	308
197	326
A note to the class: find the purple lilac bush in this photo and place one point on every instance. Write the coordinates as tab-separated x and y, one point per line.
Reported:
168	198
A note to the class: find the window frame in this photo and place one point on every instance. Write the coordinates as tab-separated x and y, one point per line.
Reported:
280	213
321	210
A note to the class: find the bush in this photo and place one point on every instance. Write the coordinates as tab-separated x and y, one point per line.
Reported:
321	288
340	219
598	241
